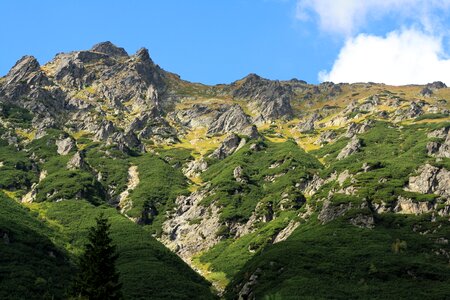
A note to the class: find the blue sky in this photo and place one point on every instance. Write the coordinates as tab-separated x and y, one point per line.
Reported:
223	40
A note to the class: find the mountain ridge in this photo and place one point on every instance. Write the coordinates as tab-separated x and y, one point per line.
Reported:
226	175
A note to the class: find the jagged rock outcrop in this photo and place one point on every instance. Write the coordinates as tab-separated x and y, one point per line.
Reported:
77	161
353	146
363	221
65	146
358	128
27	86
191	228
308	125
238	174
326	137
404	205
270	99
245	291
196	116
414	110
426	92
229	145
231	119
431	180
436	85
330	211
440	148
195	167
286	232
110	49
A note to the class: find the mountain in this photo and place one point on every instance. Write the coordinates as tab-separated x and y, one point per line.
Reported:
269	189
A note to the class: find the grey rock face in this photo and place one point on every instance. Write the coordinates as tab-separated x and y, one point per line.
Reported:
195	167
109	49
228	146
22	70
436	85
197	116
231	119
308	125
238	174
77	161
186	237
330	212
326	137
246	292
353	146
440	149
426	92
250	131
271	99
65	146
363	221
431	180
358	128
414	110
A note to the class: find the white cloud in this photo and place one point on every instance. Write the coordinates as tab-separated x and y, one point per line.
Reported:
347	16
401	57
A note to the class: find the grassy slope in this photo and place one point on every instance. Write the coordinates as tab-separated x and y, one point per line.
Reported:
352	261
31	266
231	254
147	268
339	260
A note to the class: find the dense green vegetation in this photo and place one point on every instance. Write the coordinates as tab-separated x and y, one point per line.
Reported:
146	267
18	116
268	174
97	276
339	260
15	168
159	185
391	153
31	265
38	254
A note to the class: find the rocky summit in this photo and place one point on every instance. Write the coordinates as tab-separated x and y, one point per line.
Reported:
258	189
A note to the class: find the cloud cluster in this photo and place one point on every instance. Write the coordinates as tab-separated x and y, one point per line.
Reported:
348	16
413	52
401	57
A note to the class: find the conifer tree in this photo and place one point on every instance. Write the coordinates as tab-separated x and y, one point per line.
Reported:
97	277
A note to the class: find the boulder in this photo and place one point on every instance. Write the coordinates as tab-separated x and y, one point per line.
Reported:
110	49
65	145
430	180
353	146
228	146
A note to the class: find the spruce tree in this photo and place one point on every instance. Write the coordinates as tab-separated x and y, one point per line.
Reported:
97	277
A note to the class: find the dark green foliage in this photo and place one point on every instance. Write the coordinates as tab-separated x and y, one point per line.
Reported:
392	154
176	157
31	265
61	183
147	269
112	164
97	276
159	185
238	200
18	116
16	170
431	116
230	255
70	184
388	262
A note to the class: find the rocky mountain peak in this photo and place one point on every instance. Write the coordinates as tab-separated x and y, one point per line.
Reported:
143	55
109	49
270	99
23	67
